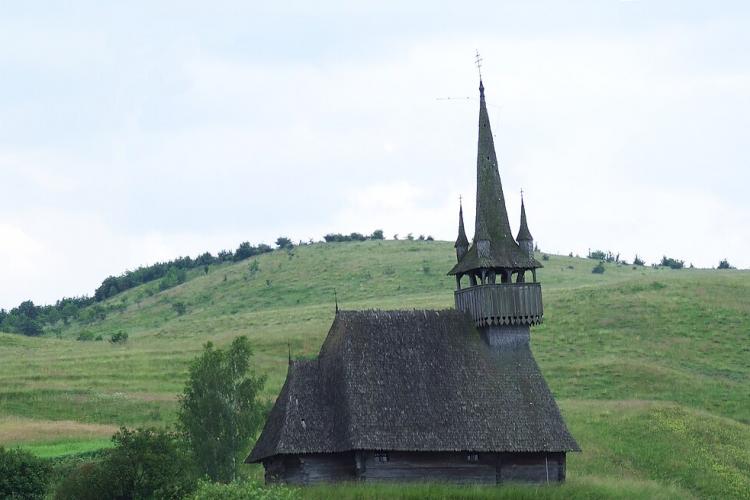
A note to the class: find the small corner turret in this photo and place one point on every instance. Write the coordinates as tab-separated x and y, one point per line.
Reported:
462	242
524	238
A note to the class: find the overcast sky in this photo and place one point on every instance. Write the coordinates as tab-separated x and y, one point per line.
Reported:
132	132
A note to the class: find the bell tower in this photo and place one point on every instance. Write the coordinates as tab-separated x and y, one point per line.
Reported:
502	297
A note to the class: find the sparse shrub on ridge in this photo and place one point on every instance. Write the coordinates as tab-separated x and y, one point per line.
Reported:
672	263
724	264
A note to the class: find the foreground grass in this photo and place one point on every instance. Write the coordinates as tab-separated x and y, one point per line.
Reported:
649	366
584	488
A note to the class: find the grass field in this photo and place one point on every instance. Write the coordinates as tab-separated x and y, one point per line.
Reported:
650	366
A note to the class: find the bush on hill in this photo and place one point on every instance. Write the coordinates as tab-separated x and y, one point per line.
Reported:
119	337
22	475
672	263
724	264
599	268
637	261
283	242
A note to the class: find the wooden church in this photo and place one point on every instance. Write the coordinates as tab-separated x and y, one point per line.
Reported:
449	395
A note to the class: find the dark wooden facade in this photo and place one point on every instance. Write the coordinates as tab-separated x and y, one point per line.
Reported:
403	466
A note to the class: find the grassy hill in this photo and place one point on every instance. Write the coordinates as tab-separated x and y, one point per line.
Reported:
650	366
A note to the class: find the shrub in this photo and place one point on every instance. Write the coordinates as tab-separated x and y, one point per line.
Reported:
672	263
377	235
284	242
597	254
180	308
637	261
98	338
22	475
241	490
724	264
545	257
119	337
85	336
599	268
144	463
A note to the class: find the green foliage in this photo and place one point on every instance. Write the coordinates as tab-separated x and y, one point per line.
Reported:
426	267
179	307
637	261
175	276
22	475
85	336
599	268
144	463
219	409
545	257
119	337
282	242
672	263
724	264
242	490
377	235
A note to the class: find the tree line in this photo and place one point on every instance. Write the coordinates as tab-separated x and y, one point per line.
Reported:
30	319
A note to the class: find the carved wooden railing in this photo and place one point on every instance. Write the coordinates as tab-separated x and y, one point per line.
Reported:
502	304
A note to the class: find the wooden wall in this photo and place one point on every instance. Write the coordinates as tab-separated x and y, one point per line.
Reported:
488	468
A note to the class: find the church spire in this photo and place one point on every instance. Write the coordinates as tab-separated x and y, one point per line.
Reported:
494	248
462	242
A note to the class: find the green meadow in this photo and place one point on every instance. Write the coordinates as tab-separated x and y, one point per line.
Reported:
651	367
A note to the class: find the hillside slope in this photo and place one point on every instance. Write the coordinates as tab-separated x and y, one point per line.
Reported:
649	365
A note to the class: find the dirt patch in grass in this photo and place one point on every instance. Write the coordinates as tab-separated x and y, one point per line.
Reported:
15	430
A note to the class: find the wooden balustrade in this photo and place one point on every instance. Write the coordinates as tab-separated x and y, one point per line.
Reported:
502	304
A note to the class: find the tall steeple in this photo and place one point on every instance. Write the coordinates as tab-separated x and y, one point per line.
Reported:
500	300
524	238
462	242
493	251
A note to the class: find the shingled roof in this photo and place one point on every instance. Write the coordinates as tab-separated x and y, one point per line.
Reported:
491	215
412	381
461	240
523	231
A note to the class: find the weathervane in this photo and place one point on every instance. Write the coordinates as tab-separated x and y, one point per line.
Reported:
478	61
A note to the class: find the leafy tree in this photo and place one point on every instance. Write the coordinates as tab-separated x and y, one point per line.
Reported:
22	475
3	317
144	463
637	261
377	235
284	242
226	255
244	251
219	409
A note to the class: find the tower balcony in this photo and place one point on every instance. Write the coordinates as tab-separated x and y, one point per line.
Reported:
502	304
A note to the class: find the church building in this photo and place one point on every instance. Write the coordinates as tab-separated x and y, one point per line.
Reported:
431	395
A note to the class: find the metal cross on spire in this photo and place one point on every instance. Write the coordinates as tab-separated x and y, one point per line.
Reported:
478	61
